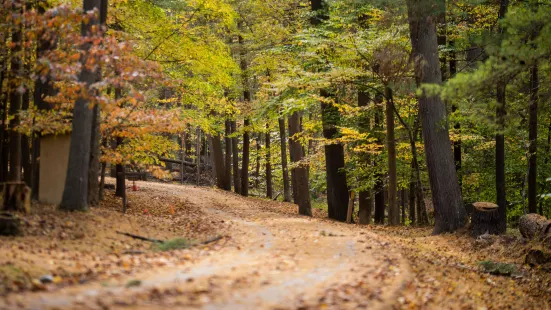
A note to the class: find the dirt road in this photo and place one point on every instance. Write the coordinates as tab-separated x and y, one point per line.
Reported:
271	258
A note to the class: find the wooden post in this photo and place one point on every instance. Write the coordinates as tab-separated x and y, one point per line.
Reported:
350	208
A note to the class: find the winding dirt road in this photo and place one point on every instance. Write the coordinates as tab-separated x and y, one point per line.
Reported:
274	260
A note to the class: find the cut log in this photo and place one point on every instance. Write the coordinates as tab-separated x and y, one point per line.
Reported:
9	224
485	219
537	258
535	226
16	196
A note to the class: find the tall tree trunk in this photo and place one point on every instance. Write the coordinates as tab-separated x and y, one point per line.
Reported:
284	167
3	111
337	189
393	210
25	141
228	155
449	212
16	99
257	168
412	190
218	162
301	190
365	197
245	160
269	186
235	159
198	156
120	190
93	172
455	108
379	216
533	137
501	112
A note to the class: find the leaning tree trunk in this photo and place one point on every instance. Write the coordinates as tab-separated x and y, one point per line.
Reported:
449	212
75	193
301	190
245	160
485	219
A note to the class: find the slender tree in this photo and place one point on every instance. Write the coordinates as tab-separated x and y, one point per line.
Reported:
228	154
284	167
235	159
365	197
16	98
245	159
393	210
533	137
269	186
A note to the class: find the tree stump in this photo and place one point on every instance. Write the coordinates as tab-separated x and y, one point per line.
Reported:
15	196
537	227
9	224
485	219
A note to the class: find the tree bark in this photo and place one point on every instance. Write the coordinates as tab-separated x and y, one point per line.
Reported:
198	156
93	172
393	210
485	219
228	155
75	194
533	138
535	226
218	162
245	160
235	159
337	189
379	185
120	190
257	168
16	99
449	212
301	190
365	197
284	166
269	186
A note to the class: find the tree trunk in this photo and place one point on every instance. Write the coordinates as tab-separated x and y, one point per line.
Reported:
284	167
393	210
25	143
365	198
3	143
301	190
257	168
93	172
16	99
449	212
245	160
457	125
235	159
269	186
218	162
75	193
198	156
380	201
412	191
228	155
337	189
533	138
120	190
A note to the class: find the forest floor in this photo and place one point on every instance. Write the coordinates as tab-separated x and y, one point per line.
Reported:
267	258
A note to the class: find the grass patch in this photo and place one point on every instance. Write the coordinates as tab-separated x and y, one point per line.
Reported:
133	283
175	244
498	268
